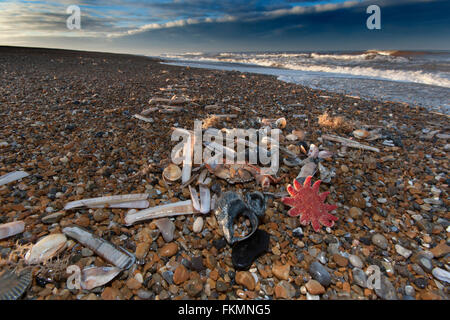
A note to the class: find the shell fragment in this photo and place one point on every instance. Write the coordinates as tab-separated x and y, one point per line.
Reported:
121	201
12	176
166	210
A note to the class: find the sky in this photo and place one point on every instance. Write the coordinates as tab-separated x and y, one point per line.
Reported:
155	27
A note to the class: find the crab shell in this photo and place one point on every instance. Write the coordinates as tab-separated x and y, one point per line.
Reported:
234	173
46	248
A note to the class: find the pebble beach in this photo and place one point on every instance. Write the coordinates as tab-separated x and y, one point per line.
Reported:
67	119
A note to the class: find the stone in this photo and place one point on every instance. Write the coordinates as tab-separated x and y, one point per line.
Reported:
142	250
194	287
145	294
111	294
166	227
245	279
410	291
53	217
168	250
86	252
314	287
246	251
440	250
357	200
380	241
340	260
319	273
198	225
421	282
197	264
221	286
403	251
355	212
133	284
280	292
100	215
180	275
355	261
386	290
281	271
359	277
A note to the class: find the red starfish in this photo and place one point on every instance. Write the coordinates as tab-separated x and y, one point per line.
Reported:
307	203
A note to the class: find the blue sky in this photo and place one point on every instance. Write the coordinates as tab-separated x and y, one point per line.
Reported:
160	26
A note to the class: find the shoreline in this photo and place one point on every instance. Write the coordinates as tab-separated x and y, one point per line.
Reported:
67	120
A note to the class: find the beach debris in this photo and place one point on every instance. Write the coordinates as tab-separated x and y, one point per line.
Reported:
309	166
349	143
325	154
14	284
172	173
120	258
325	120
291	137
166	227
11	229
46	248
162	211
246	251
231	205
12	176
307	203
148	111
136	201
204	205
145	119
93	277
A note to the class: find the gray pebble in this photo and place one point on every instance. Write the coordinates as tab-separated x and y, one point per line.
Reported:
380	241
386	290
319	273
359	277
356	261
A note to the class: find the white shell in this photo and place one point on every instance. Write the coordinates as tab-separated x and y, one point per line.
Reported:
172	172
94	277
46	248
441	274
291	137
133	201
11	229
166	210
361	134
281	123
12	176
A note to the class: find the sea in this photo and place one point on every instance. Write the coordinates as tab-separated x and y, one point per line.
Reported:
414	77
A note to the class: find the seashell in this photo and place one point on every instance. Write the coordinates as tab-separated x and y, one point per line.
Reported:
291	137
361	134
166	210
12	176
441	274
325	174
348	142
46	248
121	201
308	169
145	119
166	227
105	249
12	285
172	172
230	205
11	229
281	123
93	277
158	101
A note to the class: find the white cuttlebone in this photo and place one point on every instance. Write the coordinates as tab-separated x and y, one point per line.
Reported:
140	204
12	176
166	210
108	200
11	229
349	142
